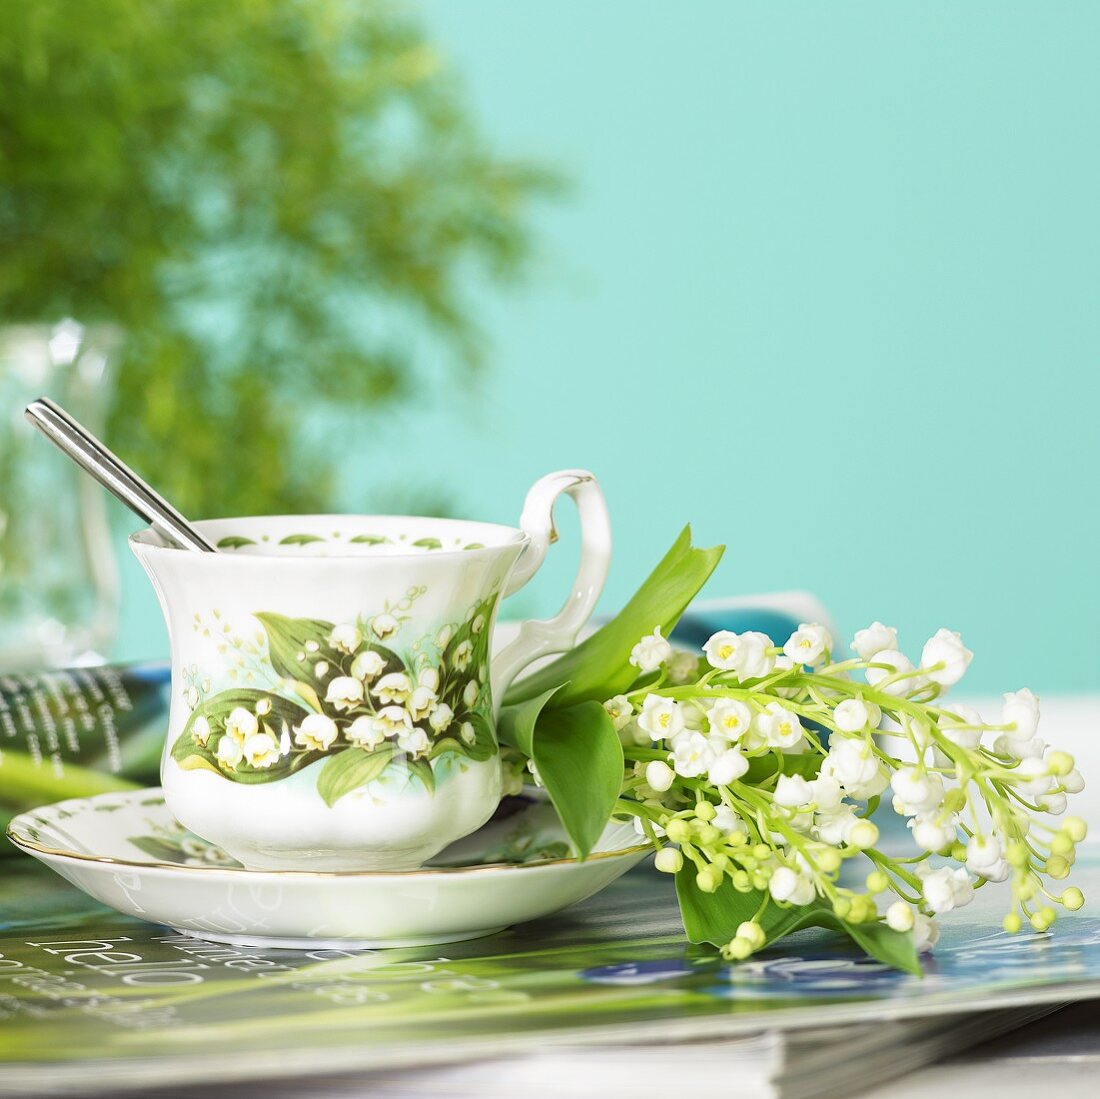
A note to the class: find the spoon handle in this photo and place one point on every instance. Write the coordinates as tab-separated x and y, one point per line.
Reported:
113	474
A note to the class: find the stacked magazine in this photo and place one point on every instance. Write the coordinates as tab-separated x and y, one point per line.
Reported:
605	993
605	997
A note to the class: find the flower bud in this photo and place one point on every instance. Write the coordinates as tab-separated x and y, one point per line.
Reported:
705	811
1053	803
709	879
1061	844
659	775
1073	898
842	906
668	860
828	859
679	831
852	715
707	835
899	916
1075	828
863	834
954	801
742	882
877	882
1073	783
753	933
1057	867
1011	923
1060	763
737	949
862	910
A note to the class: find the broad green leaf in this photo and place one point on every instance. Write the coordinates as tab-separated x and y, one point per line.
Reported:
761	768
483	746
422	769
196	760
287	638
485	742
579	760
191	755
370	539
350	769
308	694
156	848
477	651
444	745
714	918
599	666
428	543
517	723
300	539
234	541
892	947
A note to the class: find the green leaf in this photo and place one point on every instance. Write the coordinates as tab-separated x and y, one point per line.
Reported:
300	539
578	757
351	769
158	849
485	743
714	918
761	768
308	694
287	637
422	769
190	755
483	747
428	543
453	680
895	948
234	541
600	667
370	539
517	723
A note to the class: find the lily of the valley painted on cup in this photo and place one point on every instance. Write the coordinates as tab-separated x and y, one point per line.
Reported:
334	699
301	690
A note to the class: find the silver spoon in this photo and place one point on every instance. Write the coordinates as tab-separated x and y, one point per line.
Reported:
114	475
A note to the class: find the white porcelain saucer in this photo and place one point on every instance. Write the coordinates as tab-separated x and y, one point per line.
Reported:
127	851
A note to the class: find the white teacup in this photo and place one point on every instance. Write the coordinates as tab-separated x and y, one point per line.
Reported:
333	701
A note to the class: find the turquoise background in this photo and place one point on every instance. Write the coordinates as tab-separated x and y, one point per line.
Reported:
825	285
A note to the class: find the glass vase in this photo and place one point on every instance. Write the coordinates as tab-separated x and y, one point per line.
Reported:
58	573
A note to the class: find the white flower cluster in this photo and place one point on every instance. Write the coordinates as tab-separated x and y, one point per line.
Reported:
767	769
364	705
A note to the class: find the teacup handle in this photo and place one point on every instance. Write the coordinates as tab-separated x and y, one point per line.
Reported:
555	635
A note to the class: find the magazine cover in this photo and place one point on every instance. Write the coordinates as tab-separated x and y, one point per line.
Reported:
131	1003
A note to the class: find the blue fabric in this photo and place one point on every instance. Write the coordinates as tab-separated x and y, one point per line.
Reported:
697	626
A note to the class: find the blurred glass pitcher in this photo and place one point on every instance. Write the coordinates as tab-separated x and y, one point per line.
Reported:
58	574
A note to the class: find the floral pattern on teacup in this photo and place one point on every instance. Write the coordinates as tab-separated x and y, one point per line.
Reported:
307	690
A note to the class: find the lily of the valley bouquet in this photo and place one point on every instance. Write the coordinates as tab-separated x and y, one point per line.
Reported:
755	767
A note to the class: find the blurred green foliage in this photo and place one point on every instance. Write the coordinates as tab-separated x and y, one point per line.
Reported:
275	200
